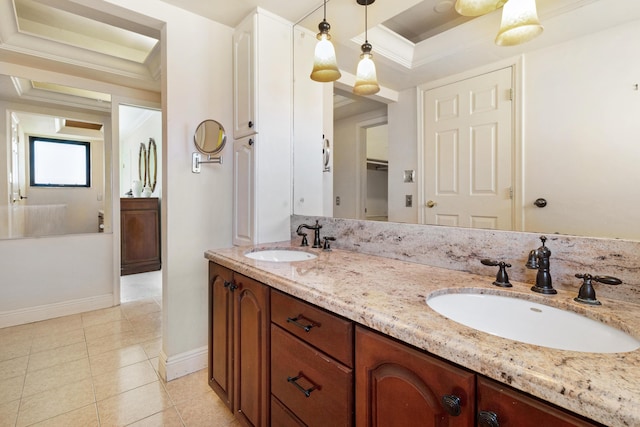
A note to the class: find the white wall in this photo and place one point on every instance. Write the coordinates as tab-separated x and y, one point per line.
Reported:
149	126
403	155
196	208
582	121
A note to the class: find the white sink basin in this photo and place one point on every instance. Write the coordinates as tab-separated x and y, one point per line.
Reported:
532	323
280	255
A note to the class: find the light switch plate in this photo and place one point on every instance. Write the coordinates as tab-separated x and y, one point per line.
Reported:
408	200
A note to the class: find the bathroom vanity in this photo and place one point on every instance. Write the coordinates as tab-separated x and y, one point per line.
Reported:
348	337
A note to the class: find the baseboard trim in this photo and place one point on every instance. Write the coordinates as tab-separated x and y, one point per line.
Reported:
50	311
182	364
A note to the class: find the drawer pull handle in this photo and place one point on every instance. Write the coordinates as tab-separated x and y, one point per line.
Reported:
306	391
295	321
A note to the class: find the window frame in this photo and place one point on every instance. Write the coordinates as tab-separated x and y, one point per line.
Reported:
85	144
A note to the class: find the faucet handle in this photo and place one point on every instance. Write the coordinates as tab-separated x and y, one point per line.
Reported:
304	239
327	246
587	294
502	279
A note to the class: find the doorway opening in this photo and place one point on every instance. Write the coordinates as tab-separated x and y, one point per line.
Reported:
140	190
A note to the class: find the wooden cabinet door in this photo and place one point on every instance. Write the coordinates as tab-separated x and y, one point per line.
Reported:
221	332
244	105
251	351
512	408
398	386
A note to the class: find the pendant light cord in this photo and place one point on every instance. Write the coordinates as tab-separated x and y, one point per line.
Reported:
366	6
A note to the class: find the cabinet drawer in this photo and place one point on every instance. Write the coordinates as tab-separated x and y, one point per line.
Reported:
281	416
329	384
324	330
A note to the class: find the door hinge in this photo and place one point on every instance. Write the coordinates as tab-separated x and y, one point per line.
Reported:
510	95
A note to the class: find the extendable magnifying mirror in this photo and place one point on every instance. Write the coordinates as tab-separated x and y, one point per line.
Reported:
209	139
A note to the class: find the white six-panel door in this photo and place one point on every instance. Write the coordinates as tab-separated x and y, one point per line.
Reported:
467	146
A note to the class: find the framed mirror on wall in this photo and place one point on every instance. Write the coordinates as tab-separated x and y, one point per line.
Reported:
572	101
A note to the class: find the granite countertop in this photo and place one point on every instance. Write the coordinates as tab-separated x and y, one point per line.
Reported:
389	296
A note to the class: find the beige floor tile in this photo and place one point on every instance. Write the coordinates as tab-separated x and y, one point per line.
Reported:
8	413
140	307
188	386
11	389
57	325
112	342
133	405
54	402
98	317
148	323
14	346
13	367
96	332
124	379
167	418
57	339
205	410
152	348
83	417
112	360
49	358
56	376
18	331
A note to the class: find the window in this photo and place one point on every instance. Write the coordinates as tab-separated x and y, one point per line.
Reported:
59	163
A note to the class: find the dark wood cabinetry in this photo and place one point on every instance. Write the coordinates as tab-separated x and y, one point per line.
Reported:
514	409
278	361
239	344
398	386
311	365
139	235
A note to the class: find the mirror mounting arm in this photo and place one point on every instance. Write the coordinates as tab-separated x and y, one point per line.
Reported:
196	161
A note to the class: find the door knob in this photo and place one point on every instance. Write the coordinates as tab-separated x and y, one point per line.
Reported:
431	204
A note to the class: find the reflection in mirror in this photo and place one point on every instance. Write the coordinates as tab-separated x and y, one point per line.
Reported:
62	114
142	164
573	133
210	137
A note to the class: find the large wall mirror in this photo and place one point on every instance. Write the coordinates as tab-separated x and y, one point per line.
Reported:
574	141
45	111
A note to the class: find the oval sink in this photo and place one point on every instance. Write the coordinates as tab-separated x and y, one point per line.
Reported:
280	255
532	323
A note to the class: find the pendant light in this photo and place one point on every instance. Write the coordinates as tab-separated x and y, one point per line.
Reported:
519	24
325	66
366	79
478	7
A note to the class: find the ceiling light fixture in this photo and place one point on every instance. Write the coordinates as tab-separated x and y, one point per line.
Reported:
366	79
519	24
325	66
478	7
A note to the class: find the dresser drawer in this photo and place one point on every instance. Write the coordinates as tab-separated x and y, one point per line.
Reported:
313	386
322	329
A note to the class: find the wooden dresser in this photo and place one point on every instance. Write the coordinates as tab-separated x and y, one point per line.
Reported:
139	235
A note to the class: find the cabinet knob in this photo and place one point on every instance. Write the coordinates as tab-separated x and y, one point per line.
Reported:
251	141
451	404
488	419
250	124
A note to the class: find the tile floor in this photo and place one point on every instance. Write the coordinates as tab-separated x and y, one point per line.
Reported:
100	369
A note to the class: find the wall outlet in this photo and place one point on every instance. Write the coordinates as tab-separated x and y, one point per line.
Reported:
408	200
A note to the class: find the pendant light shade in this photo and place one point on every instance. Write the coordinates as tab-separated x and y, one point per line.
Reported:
366	78
520	23
478	7
325	65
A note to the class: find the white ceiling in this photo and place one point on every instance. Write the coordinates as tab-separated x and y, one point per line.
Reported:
414	41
